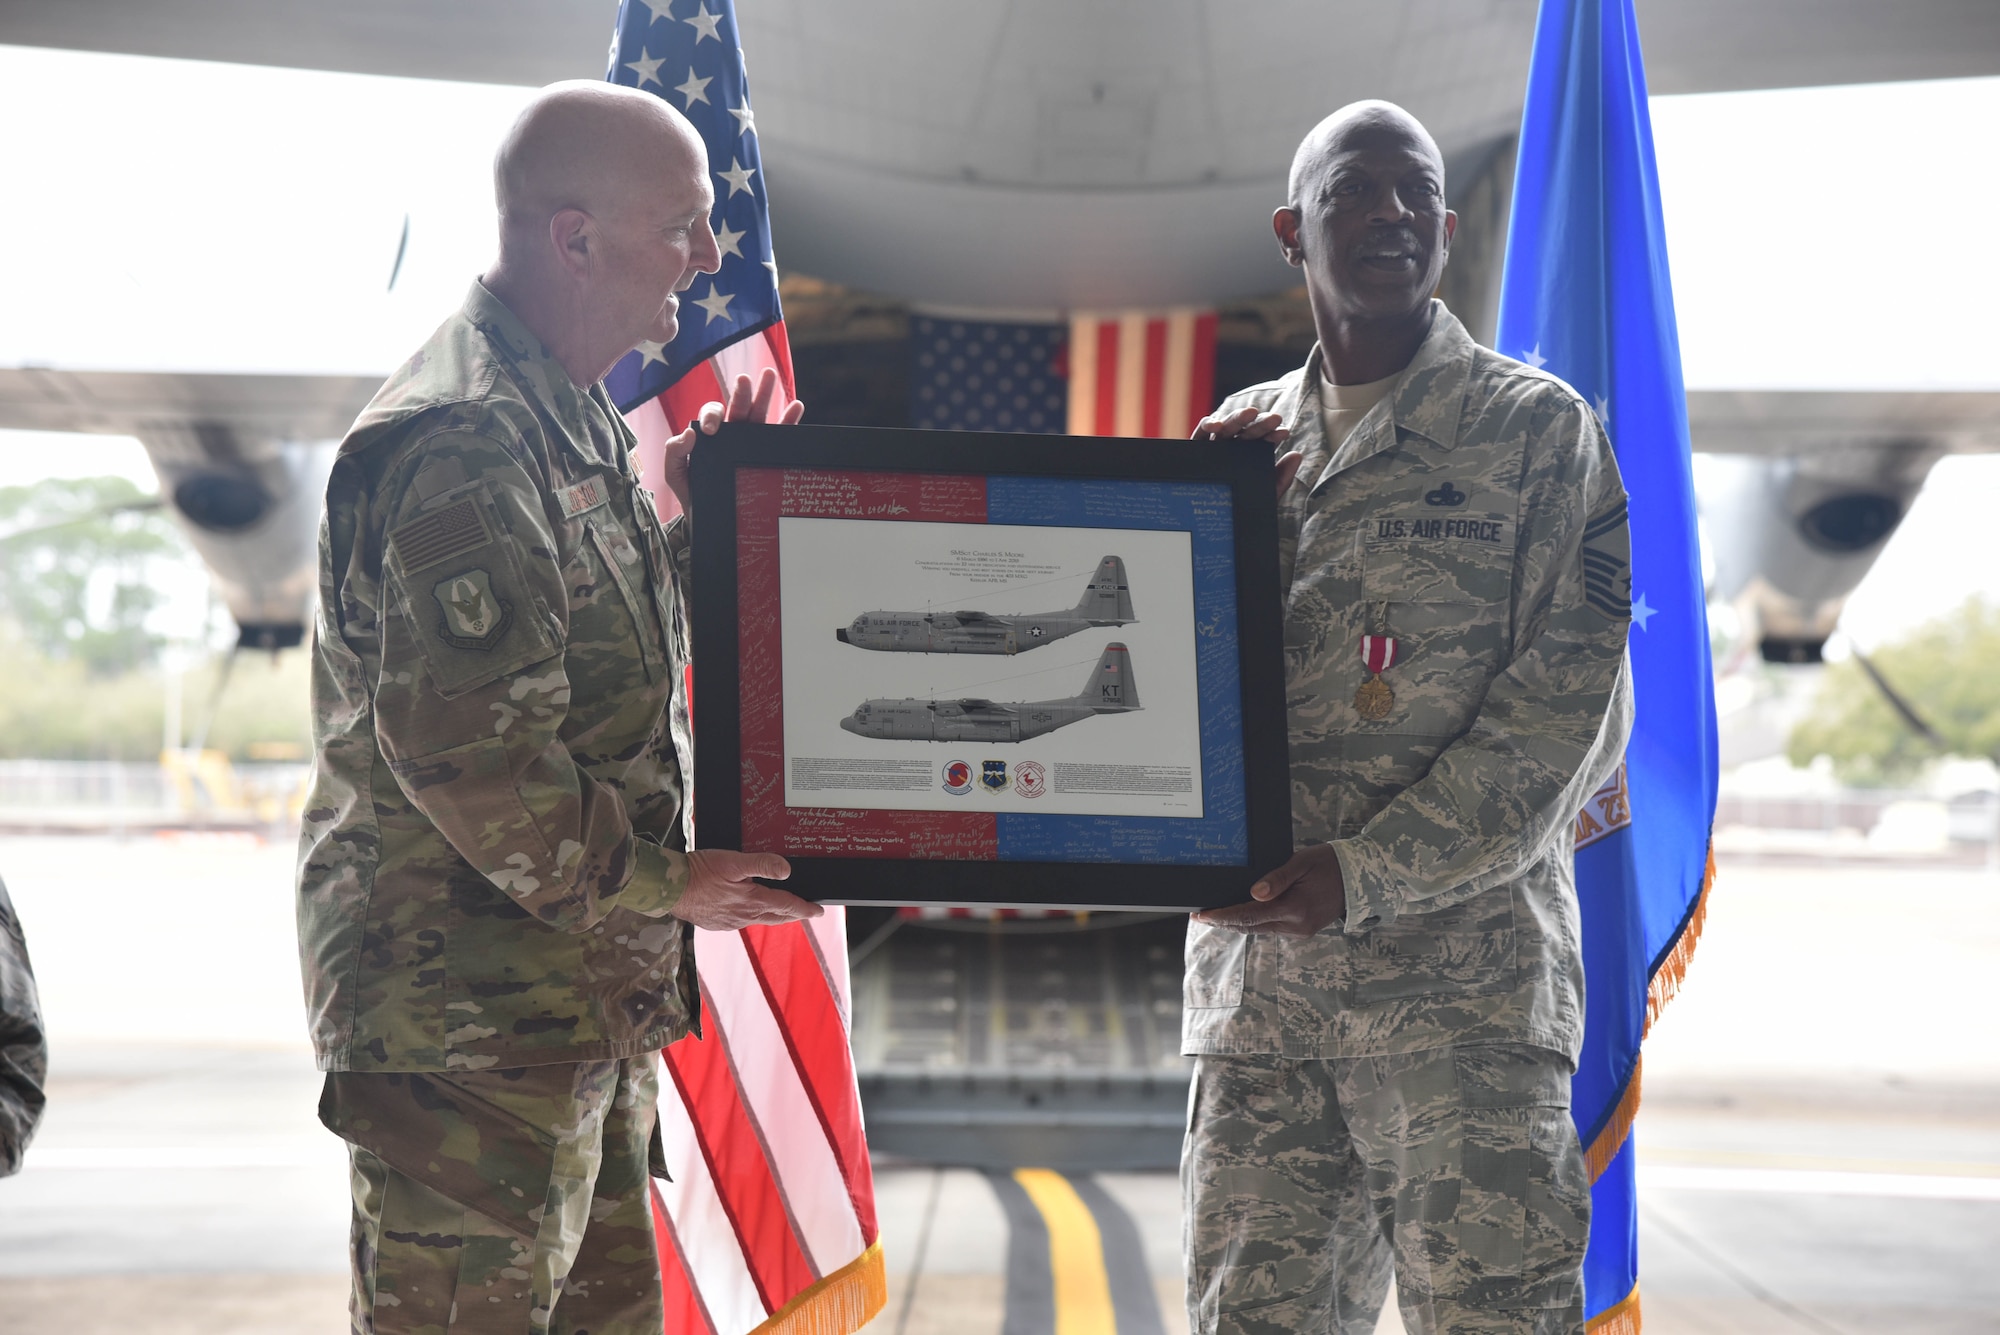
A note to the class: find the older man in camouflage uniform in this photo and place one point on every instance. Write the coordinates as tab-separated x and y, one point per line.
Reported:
1386	1032
495	899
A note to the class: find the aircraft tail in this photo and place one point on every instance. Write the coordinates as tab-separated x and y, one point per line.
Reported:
1112	689
1107	599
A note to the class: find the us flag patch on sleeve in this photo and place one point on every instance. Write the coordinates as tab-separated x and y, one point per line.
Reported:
426	541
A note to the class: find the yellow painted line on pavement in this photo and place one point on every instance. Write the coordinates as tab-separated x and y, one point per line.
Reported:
1076	1255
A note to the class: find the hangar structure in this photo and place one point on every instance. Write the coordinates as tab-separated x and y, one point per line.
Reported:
1037	158
1033	160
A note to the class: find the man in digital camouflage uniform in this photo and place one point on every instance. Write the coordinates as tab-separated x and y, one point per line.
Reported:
24	1047
494	898
1386	1031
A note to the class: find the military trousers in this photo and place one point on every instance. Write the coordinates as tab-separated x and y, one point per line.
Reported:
1307	1183
502	1202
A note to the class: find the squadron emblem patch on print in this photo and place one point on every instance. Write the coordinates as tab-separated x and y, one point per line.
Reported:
993	776
473	616
958	778
1030	779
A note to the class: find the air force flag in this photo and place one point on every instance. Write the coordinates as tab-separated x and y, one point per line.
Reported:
1586	294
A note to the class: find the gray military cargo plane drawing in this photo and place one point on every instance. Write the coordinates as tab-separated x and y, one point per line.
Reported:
1106	601
1111	691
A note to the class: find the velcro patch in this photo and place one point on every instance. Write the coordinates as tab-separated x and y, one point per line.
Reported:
430	539
584	497
472	616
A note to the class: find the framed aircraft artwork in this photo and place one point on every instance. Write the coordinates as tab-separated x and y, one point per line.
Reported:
969	668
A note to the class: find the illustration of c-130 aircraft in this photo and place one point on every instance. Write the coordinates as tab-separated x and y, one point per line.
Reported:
1106	601
1111	691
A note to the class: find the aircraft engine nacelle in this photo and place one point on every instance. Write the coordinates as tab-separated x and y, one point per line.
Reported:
252	510
1793	536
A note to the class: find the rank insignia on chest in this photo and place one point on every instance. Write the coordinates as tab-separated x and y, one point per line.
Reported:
474	617
1373	698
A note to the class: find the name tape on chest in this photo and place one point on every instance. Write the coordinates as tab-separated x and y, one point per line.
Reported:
582	498
1435	528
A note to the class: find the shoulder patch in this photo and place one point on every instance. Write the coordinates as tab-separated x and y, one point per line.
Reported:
582	498
435	538
471	615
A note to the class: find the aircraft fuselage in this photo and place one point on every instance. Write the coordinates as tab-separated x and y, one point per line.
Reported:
910	720
942	633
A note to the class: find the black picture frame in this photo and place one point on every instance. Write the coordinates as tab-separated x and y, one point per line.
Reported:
717	627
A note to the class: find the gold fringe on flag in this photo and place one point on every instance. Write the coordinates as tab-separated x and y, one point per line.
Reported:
1665	984
839	1304
1667	978
1611	1139
1620	1320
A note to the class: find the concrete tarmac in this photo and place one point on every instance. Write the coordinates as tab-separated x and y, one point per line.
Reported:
1819	1146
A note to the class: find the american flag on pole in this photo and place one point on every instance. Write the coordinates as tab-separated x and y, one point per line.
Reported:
1137	373
688	52
769	1222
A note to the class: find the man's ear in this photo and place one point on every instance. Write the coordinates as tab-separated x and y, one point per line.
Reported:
1285	223
573	234
1450	230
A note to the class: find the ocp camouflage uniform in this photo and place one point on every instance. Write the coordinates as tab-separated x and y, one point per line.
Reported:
1397	1086
493	843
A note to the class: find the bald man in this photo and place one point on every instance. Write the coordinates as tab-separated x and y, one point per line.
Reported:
495	892
1387	1029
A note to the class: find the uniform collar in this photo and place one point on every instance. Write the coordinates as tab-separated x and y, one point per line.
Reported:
581	418
1426	401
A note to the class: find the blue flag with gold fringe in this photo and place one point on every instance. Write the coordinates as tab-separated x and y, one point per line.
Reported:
1586	294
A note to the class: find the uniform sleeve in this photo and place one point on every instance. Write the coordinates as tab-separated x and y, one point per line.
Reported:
475	686
680	548
1554	722
24	1048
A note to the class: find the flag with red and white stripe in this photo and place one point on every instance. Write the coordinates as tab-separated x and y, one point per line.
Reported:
769	1223
1137	373
731	321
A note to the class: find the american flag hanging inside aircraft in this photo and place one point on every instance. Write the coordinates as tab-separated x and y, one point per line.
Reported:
687	52
1139	373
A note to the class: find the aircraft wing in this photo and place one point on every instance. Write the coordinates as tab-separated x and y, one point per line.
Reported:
1100	144
979	619
242	462
976	706
1808	486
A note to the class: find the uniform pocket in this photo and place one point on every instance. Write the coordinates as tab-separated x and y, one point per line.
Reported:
623	561
1448	607
471	610
1216	958
1524	1209
1467	950
1463	559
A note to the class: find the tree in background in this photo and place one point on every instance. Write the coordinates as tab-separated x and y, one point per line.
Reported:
76	578
1948	669
81	676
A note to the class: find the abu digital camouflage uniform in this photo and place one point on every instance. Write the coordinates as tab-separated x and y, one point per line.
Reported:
492	845
1399	1083
24	1048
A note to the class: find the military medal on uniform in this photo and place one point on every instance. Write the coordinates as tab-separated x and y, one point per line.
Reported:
1373	698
